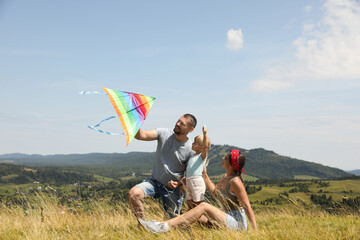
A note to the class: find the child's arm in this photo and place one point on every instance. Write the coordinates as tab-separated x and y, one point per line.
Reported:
205	144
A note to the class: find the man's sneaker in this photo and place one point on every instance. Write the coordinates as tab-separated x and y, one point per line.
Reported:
154	227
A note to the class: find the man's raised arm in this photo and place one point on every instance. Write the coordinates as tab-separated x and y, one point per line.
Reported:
146	135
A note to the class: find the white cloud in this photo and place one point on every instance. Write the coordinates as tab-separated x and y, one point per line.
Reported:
326	50
267	85
235	39
308	8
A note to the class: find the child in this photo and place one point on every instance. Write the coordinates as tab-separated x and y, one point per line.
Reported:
195	185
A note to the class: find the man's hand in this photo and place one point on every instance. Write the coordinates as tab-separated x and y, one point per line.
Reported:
172	184
146	135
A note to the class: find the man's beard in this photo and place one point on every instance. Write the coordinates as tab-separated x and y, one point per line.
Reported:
177	130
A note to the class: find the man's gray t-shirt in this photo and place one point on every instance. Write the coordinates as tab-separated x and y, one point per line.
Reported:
171	157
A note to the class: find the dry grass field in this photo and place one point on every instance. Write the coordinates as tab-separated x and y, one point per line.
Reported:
44	218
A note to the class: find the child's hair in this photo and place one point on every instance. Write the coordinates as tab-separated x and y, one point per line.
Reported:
201	140
241	161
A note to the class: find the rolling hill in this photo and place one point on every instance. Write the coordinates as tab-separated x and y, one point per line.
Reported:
355	172
261	163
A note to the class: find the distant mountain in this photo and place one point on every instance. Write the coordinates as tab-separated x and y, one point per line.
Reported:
17	174
355	172
266	164
90	159
107	164
261	163
17	155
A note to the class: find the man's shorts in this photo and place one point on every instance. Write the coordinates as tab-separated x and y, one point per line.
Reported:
172	199
236	219
195	189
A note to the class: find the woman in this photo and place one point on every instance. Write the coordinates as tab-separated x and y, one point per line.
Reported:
231	193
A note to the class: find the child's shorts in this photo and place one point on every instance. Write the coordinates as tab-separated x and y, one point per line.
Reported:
195	189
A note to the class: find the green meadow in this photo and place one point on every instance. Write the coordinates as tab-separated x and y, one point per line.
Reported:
283	210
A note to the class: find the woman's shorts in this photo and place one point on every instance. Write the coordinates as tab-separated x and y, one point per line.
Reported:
195	189
236	219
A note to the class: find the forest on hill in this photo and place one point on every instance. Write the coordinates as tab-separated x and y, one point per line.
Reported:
261	163
16	174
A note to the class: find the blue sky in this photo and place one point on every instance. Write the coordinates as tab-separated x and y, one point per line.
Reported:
280	75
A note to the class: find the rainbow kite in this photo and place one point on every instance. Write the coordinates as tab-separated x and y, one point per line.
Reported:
131	108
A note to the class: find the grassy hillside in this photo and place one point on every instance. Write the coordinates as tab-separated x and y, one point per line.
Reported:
100	210
301	191
46	219
96	207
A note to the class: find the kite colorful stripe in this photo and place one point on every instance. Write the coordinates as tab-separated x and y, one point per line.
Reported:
132	110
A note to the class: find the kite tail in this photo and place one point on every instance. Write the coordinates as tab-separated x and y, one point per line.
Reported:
90	92
95	127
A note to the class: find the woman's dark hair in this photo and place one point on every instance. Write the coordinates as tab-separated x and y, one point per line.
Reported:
242	161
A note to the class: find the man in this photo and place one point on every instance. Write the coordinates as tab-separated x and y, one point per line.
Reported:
172	153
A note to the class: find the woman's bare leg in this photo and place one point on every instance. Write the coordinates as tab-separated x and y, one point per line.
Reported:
197	214
191	205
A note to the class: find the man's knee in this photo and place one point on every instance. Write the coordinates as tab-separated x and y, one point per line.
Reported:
136	193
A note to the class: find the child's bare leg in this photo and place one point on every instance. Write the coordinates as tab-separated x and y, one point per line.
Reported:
190	204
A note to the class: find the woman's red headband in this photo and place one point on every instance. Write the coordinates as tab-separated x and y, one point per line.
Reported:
235	160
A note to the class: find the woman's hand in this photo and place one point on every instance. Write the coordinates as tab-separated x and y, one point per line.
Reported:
204	173
209	184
